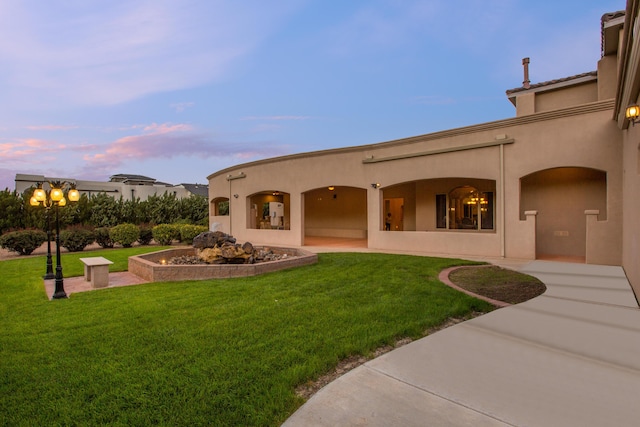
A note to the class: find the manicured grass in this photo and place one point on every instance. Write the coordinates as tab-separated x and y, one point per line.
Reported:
223	352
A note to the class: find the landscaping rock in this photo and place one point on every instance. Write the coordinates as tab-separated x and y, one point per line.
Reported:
216	247
212	239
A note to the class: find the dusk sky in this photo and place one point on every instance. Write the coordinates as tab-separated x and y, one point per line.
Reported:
177	90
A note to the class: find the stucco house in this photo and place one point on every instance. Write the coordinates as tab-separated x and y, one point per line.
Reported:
560	180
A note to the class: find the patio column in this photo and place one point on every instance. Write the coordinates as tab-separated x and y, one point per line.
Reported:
591	239
529	242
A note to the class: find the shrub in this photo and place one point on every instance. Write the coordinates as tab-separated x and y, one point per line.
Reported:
23	242
124	234
164	234
146	235
103	238
76	239
189	231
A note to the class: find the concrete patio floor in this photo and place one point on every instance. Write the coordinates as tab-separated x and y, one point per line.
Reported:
73	285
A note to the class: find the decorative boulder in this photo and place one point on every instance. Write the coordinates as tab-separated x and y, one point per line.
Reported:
216	247
211	239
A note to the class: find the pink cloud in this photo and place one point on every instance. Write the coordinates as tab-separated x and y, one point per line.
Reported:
167	141
51	127
28	150
155	128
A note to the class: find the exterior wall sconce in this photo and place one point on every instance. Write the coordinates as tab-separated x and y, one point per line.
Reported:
239	176
632	113
236	196
331	188
375	185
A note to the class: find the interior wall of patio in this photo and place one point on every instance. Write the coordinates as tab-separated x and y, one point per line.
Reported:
561	196
340	212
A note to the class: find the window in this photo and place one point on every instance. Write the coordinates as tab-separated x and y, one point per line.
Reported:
468	209
441	211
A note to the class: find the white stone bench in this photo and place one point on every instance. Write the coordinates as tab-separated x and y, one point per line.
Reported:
96	271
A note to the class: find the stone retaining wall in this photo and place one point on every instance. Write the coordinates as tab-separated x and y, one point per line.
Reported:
148	266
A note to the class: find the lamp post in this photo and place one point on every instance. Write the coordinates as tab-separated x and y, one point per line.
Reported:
49	274
55	197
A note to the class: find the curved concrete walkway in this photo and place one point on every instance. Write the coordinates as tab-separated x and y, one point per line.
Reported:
570	357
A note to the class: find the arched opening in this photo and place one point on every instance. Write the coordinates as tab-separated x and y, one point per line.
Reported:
561	196
269	210
440	204
220	206
335	216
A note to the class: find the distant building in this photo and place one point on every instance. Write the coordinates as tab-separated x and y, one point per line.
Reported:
129	187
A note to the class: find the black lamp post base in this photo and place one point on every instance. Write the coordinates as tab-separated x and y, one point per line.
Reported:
59	295
59	292
49	276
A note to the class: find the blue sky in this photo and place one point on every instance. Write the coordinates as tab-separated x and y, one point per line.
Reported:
177	90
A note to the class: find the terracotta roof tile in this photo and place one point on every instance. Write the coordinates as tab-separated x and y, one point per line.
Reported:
612	15
551	82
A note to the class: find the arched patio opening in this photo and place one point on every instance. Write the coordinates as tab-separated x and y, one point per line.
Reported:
220	206
439	204
561	196
335	215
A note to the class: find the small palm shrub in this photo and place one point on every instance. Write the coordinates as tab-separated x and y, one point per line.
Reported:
124	234
164	234
103	238
146	235
189	231
76	239
23	242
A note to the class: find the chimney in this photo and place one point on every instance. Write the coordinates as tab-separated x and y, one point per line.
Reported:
526	83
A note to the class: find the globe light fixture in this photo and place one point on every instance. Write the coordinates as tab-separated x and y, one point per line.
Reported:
632	113
73	194
56	194
39	194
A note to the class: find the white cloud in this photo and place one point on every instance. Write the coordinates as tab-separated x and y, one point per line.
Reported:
181	106
276	118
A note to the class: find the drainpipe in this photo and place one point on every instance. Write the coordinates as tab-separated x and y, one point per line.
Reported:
230	211
502	204
229	179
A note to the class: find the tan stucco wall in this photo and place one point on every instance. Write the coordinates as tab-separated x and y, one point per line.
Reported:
525	104
631	195
566	97
576	137
607	77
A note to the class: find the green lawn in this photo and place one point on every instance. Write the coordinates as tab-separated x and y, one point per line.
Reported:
214	352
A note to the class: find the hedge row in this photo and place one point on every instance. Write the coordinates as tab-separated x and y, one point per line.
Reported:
75	239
